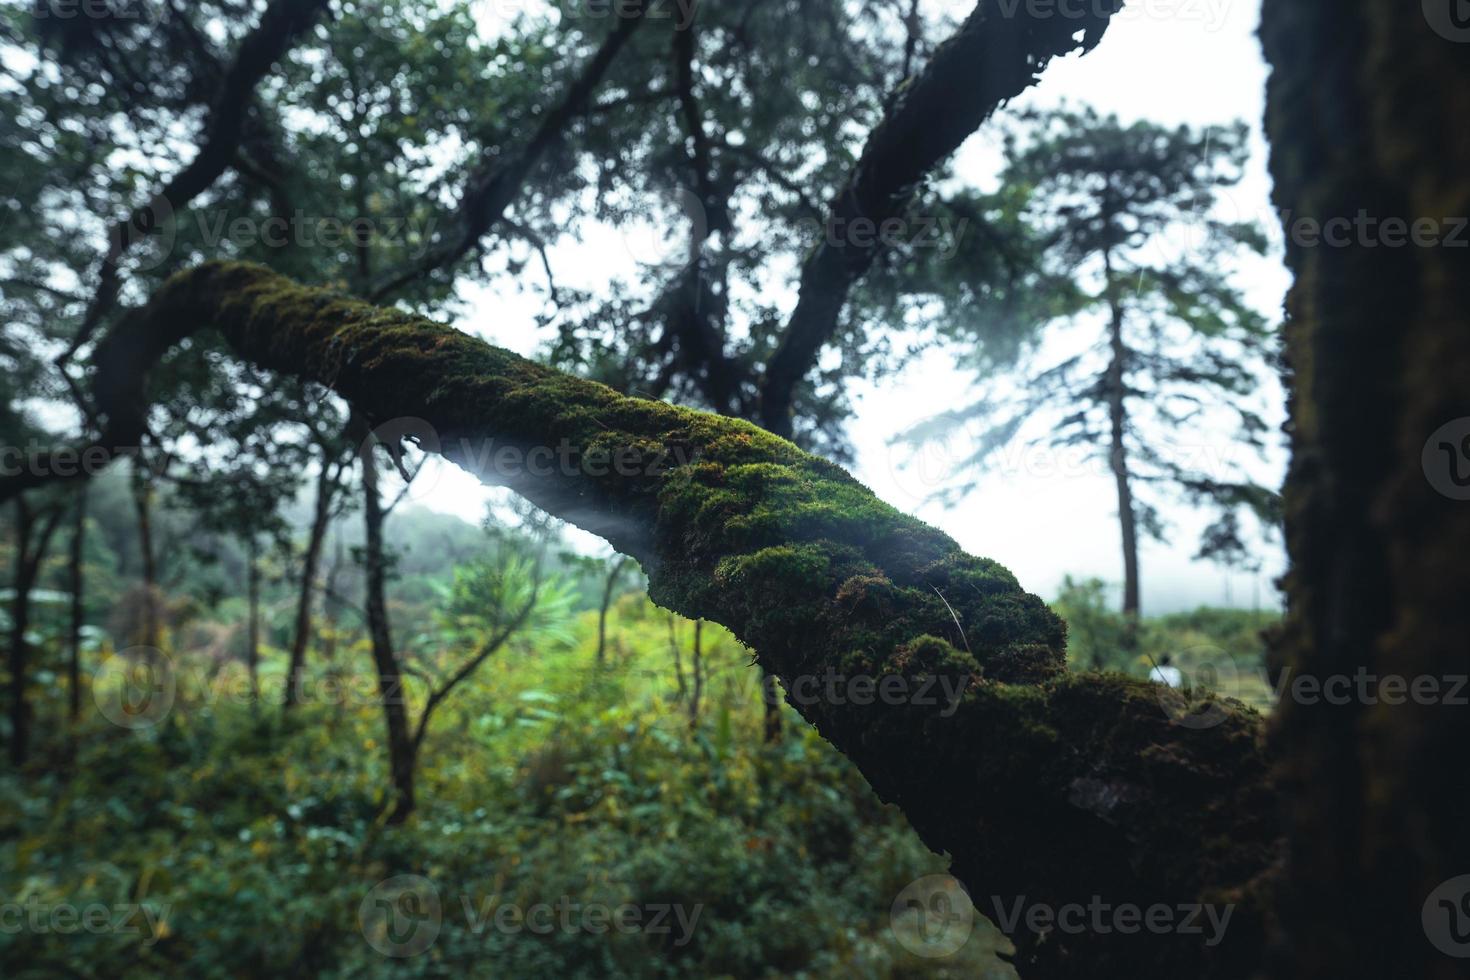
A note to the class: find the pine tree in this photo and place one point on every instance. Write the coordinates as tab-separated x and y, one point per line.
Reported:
1114	230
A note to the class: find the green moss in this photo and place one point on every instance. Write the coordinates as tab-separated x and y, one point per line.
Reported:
931	655
784	567
813	572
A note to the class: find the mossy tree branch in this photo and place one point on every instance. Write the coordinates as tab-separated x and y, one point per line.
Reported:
1041	783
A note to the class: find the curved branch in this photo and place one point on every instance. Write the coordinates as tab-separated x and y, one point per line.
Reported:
995	55
438	694
493	186
280	25
1043	784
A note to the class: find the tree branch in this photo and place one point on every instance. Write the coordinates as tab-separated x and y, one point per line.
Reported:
493	186
1041	783
280	25
994	56
437	695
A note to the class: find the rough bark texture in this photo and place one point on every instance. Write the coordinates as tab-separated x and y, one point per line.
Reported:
1368	106
1040	783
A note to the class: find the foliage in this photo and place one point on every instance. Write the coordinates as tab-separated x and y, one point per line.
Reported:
256	841
258	837
1224	648
1118	231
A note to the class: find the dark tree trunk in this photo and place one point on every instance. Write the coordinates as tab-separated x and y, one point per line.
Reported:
143	506
1116	385
607	592
75	580
320	519
771	702
678	659
1367	117
31	540
20	616
252	629
390	677
697	665
331	602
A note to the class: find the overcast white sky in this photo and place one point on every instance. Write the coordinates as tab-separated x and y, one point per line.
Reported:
1170	61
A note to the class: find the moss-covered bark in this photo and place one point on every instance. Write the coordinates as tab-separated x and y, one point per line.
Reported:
1041	783
1368	110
